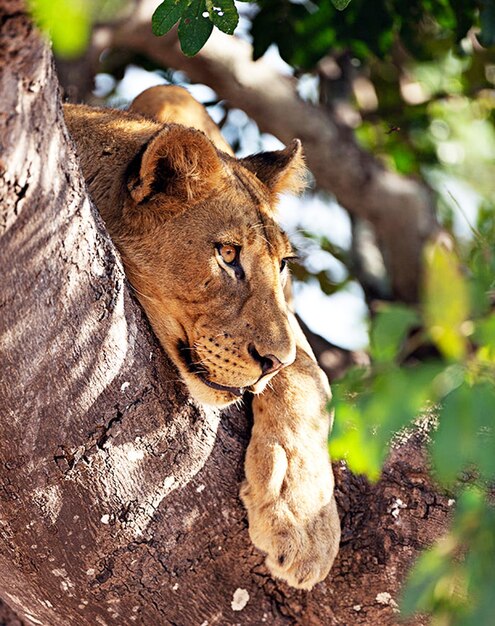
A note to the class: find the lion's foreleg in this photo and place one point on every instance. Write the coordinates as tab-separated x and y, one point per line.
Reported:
289	484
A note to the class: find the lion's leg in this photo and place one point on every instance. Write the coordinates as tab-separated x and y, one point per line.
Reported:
289	480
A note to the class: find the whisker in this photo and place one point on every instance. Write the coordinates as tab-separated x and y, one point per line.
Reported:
261	226
143	295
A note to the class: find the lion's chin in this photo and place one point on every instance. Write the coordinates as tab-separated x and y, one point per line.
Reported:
207	396
203	390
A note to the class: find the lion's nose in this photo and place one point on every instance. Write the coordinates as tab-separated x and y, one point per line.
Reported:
269	363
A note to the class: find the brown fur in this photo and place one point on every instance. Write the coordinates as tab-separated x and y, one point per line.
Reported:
170	198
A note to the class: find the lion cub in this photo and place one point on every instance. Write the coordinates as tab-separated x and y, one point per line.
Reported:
197	233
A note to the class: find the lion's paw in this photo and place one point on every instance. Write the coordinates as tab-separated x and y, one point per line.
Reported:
300	547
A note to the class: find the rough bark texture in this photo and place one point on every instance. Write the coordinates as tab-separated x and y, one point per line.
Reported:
8	617
118	497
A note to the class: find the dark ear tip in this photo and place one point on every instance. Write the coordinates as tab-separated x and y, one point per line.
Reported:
294	147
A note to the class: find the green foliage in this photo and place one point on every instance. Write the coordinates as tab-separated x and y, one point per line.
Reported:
304	33
196	19
340	4
223	14
446	305
487	22
465	436
166	15
456	391
455	579
194	27
391	326
68	22
364	28
372	407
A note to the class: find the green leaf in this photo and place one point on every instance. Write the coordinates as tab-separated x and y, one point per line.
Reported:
370	409
465	434
399	395
66	22
389	329
484	336
340	4
223	14
446	301
352	442
194	27
166	15
485	331
470	508
429	583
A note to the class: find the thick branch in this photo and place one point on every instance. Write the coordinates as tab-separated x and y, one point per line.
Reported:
400	209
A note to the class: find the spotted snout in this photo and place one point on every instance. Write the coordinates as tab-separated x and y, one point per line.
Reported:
232	362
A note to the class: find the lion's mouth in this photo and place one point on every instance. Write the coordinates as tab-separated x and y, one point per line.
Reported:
198	370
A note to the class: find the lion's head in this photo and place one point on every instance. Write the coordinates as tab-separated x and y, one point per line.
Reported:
207	259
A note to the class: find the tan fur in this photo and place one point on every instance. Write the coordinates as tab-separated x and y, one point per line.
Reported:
170	199
172	104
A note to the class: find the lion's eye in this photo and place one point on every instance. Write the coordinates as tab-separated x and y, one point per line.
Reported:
285	260
228	253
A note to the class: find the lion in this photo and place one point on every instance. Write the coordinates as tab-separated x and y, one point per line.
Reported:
197	232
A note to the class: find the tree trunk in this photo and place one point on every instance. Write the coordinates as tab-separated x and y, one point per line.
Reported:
118	496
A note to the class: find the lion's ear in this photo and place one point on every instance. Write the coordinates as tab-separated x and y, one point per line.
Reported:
280	170
179	162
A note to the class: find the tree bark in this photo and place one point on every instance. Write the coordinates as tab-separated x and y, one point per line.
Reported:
118	496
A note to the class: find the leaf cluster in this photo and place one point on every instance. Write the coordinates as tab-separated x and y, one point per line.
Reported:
455	579
305	32
196	19
454	392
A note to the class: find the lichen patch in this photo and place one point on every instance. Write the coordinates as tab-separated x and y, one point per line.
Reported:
240	599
